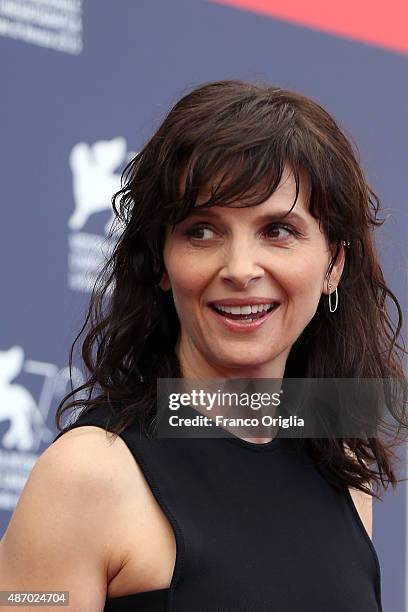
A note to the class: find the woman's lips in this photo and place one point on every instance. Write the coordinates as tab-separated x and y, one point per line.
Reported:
241	325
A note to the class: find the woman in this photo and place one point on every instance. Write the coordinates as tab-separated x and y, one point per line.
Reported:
227	524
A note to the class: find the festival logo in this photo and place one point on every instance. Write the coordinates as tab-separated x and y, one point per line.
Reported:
24	432
51	24
96	171
94	178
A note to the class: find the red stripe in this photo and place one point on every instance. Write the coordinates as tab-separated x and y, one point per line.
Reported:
384	24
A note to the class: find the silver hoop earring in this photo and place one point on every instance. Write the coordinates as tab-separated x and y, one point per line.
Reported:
337	300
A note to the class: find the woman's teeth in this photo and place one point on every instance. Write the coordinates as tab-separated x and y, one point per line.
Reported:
244	310
244	313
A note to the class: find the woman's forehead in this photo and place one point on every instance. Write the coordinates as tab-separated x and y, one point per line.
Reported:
285	196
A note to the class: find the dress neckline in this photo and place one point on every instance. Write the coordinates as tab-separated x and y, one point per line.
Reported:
276	442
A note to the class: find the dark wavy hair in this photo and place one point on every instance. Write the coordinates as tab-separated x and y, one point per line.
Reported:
245	133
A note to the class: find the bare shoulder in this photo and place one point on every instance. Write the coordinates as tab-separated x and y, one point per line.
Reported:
67	516
90	446
363	503
88	460
105	469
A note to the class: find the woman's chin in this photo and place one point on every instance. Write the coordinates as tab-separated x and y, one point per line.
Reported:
244	367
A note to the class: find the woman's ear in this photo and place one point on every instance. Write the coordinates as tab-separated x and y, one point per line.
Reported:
165	282
337	269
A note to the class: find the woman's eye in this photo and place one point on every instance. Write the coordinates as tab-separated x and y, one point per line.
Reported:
273	230
199	232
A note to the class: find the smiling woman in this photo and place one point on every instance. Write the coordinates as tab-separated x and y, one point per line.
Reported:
236	260
246	252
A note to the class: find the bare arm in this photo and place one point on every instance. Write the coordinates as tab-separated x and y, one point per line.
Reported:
60	534
363	503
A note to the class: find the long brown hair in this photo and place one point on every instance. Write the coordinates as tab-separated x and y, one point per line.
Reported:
245	133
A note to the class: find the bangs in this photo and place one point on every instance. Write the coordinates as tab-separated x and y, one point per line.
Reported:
237	180
233	150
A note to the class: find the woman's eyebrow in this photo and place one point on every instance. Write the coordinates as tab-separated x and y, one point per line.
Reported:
276	214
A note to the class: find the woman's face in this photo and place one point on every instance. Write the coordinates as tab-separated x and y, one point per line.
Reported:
226	254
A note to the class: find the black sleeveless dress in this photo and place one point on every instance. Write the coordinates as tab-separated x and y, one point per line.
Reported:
257	528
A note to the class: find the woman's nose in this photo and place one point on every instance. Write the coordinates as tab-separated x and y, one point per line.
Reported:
240	265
